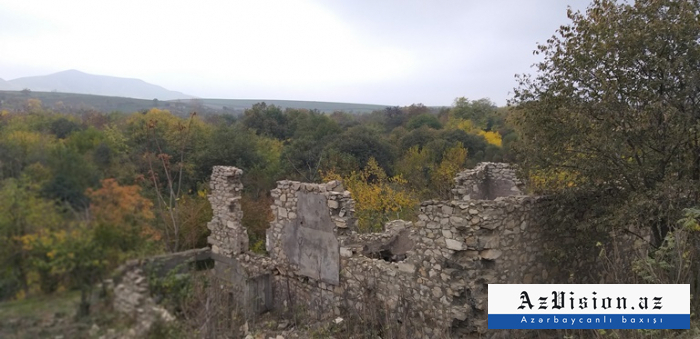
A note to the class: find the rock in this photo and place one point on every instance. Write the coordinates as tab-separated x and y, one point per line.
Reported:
455	245
345	252
333	204
93	330
405	267
490	254
447	210
456	220
281	212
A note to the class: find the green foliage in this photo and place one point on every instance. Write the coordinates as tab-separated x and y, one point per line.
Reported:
610	102
480	112
675	261
170	330
22	212
82	191
356	146
63	127
425	119
172	289
301	156
266	120
430	176
72	176
257	216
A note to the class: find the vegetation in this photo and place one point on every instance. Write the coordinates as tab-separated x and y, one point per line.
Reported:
612	113
82	191
73	103
608	126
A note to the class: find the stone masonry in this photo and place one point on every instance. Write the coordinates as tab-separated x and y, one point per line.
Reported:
430	275
228	237
487	181
433	273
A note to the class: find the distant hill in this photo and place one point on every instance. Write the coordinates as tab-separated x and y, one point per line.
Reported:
76	103
73	102
73	81
325	107
6	86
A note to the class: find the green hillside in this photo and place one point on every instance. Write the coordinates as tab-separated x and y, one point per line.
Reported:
326	107
15	100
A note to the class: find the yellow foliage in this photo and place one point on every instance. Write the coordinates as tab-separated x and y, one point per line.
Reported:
378	198
452	162
24	139
492	137
463	124
33	105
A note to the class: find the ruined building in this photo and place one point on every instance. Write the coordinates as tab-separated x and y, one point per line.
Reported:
431	274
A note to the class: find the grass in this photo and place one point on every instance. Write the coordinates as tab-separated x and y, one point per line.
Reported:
38	306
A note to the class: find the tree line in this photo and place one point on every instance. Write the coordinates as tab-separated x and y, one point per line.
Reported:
82	191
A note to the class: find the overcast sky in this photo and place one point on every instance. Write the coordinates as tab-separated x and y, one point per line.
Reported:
391	52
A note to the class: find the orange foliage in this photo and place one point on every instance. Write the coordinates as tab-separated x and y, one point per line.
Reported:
119	206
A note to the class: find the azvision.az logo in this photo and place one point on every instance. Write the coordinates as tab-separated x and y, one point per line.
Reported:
612	306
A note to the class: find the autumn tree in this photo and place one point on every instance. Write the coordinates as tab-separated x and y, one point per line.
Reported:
22	212
378	198
166	171
477	111
120	217
615	104
113	228
429	171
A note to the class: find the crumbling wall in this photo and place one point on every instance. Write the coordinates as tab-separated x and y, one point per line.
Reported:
228	236
431	275
487	181
131	283
303	234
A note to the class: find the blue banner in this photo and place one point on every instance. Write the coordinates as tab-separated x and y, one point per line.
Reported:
589	321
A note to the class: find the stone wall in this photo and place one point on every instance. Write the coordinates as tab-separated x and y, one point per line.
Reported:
307	220
487	181
228	236
431	275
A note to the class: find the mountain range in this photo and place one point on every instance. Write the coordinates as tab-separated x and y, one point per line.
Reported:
74	81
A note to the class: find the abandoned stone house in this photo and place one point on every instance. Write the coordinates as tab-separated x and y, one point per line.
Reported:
432	273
